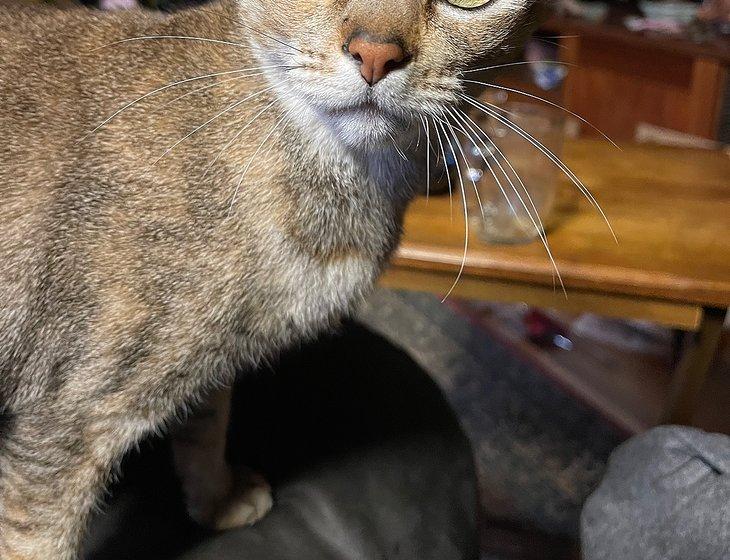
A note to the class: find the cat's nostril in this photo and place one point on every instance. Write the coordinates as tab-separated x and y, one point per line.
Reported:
395	64
376	58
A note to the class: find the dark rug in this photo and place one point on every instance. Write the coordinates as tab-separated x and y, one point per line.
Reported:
539	452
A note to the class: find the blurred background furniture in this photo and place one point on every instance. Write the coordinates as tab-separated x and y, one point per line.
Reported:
621	79
669	208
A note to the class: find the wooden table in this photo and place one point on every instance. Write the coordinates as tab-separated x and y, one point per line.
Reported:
670	209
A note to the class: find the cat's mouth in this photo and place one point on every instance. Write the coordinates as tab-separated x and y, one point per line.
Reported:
367	108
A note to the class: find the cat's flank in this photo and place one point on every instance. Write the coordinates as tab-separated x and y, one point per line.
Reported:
183	195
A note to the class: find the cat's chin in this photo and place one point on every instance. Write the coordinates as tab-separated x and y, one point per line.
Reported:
365	128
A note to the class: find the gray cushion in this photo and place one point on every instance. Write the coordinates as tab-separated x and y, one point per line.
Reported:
665	496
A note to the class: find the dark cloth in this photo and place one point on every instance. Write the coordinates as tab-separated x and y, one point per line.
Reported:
665	496
365	456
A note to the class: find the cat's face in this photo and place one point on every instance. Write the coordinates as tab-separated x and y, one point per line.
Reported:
418	48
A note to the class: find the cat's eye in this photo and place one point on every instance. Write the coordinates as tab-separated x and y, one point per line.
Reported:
468	4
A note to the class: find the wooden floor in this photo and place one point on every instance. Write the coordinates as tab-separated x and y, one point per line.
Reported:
626	385
508	541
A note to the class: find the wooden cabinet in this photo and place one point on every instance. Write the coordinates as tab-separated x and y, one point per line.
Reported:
619	79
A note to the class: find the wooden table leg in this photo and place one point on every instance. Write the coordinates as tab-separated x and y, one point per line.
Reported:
692	369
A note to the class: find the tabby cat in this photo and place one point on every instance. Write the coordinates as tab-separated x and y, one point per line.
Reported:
184	195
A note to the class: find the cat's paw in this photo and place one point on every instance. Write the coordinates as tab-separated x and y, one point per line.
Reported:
234	498
249	500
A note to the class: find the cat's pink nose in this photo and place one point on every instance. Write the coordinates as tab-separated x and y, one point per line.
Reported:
376	59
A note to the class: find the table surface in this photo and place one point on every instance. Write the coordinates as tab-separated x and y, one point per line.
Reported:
669	207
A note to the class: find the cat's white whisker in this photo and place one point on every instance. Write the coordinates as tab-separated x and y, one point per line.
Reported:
537	223
463	155
541	229
397	148
156	91
496	180
446	121
283	43
555	43
180	38
476	130
214	118
235	137
446	167
466	213
450	124
253	158
521	63
466	163
166	104
563	167
424	122
546	101
238	21
219	83
494	112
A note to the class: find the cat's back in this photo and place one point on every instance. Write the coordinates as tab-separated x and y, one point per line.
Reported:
39	82
61	74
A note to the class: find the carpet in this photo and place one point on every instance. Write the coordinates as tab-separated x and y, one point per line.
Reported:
539	453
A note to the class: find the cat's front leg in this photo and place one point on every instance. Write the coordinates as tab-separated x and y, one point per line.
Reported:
53	465
216	495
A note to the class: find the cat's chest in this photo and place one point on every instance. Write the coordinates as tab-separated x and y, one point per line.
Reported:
316	292
338	256
304	291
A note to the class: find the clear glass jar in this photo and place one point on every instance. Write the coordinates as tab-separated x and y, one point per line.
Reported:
511	186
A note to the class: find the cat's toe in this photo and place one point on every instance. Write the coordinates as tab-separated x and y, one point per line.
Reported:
249	501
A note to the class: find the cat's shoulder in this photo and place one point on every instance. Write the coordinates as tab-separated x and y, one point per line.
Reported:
25	23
